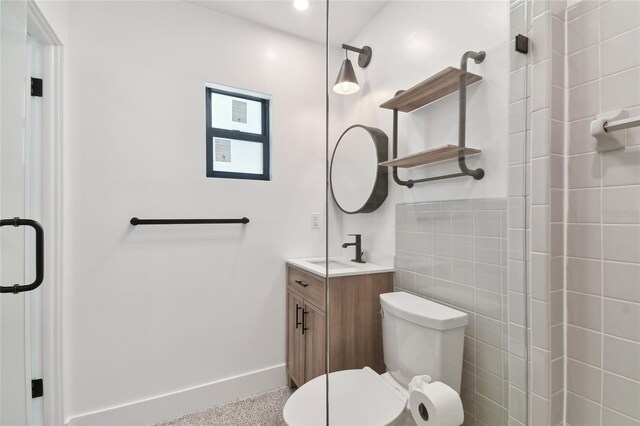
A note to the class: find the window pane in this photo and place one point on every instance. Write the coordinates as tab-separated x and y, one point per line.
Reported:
230	155
231	113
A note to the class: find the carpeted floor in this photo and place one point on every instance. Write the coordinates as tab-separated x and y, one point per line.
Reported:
264	409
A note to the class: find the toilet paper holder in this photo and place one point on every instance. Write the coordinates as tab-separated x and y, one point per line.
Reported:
606	126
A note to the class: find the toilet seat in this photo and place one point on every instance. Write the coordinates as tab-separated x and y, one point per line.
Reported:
356	398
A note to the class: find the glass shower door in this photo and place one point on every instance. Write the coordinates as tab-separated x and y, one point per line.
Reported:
15	351
445	236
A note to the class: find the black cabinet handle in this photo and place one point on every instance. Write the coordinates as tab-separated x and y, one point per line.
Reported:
17	288
298	323
302	283
304	325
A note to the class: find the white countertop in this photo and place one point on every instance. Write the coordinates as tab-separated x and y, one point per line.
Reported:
338	266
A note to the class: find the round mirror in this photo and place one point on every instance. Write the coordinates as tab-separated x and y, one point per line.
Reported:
358	183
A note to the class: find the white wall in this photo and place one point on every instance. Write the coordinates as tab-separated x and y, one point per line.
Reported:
412	41
154	310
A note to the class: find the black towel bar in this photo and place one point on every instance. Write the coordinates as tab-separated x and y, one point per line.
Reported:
135	221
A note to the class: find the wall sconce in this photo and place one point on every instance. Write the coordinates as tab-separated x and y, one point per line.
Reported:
347	83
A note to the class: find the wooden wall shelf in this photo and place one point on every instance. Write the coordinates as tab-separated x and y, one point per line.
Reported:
430	156
435	87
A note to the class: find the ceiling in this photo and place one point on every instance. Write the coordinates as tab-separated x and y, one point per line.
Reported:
346	17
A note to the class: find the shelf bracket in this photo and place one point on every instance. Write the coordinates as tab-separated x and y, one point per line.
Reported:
477	174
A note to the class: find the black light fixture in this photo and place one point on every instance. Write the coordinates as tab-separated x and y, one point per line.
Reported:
347	83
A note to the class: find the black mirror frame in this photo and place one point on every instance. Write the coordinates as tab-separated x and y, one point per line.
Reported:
380	188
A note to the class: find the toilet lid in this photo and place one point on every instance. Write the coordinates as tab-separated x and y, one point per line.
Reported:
356	398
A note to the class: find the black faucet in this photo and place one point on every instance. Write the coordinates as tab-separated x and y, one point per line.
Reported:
358	245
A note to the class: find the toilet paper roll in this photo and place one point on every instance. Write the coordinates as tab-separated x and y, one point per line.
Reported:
436	404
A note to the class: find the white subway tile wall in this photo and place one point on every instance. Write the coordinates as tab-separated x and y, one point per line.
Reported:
603	216
544	192
596	204
455	253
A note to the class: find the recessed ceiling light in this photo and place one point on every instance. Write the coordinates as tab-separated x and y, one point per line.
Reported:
301	4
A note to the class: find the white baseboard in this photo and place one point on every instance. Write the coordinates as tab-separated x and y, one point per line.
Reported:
184	401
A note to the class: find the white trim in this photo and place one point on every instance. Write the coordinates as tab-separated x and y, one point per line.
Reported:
38	26
178	403
40	30
237	90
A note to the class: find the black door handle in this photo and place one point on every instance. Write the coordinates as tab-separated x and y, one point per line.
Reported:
298	323
17	288
302	283
304	322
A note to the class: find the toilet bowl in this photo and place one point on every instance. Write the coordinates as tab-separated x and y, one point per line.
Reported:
356	397
419	337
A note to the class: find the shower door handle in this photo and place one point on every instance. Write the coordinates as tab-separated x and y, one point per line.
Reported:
17	288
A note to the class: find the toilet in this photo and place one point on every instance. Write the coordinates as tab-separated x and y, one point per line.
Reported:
418	337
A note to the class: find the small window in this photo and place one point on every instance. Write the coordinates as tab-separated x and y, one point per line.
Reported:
238	134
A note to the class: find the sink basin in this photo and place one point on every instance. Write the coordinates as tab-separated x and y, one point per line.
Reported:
333	264
338	267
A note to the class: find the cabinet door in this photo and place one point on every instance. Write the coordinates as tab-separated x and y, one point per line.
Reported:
295	338
314	327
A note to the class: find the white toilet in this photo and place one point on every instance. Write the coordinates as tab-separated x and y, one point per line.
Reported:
419	337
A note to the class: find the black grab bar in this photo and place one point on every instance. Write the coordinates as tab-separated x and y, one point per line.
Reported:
136	221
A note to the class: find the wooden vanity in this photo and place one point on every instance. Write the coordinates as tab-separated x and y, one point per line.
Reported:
355	325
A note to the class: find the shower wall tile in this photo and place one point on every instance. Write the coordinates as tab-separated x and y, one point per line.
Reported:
557	400
581	411
622	205
621	357
584	345
584	380
545	230
584	206
584	241
621	319
618	17
621	394
580	140
615	90
541	49
583	66
454	252
584	275
616	55
584	171
578	9
621	243
603	211
610	417
580	32
584	310
622	281
586	101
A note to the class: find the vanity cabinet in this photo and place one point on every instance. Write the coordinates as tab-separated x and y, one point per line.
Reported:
355	326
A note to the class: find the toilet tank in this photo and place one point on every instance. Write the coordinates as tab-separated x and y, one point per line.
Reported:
422	337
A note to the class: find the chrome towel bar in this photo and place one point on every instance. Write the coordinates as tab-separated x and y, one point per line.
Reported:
625	123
